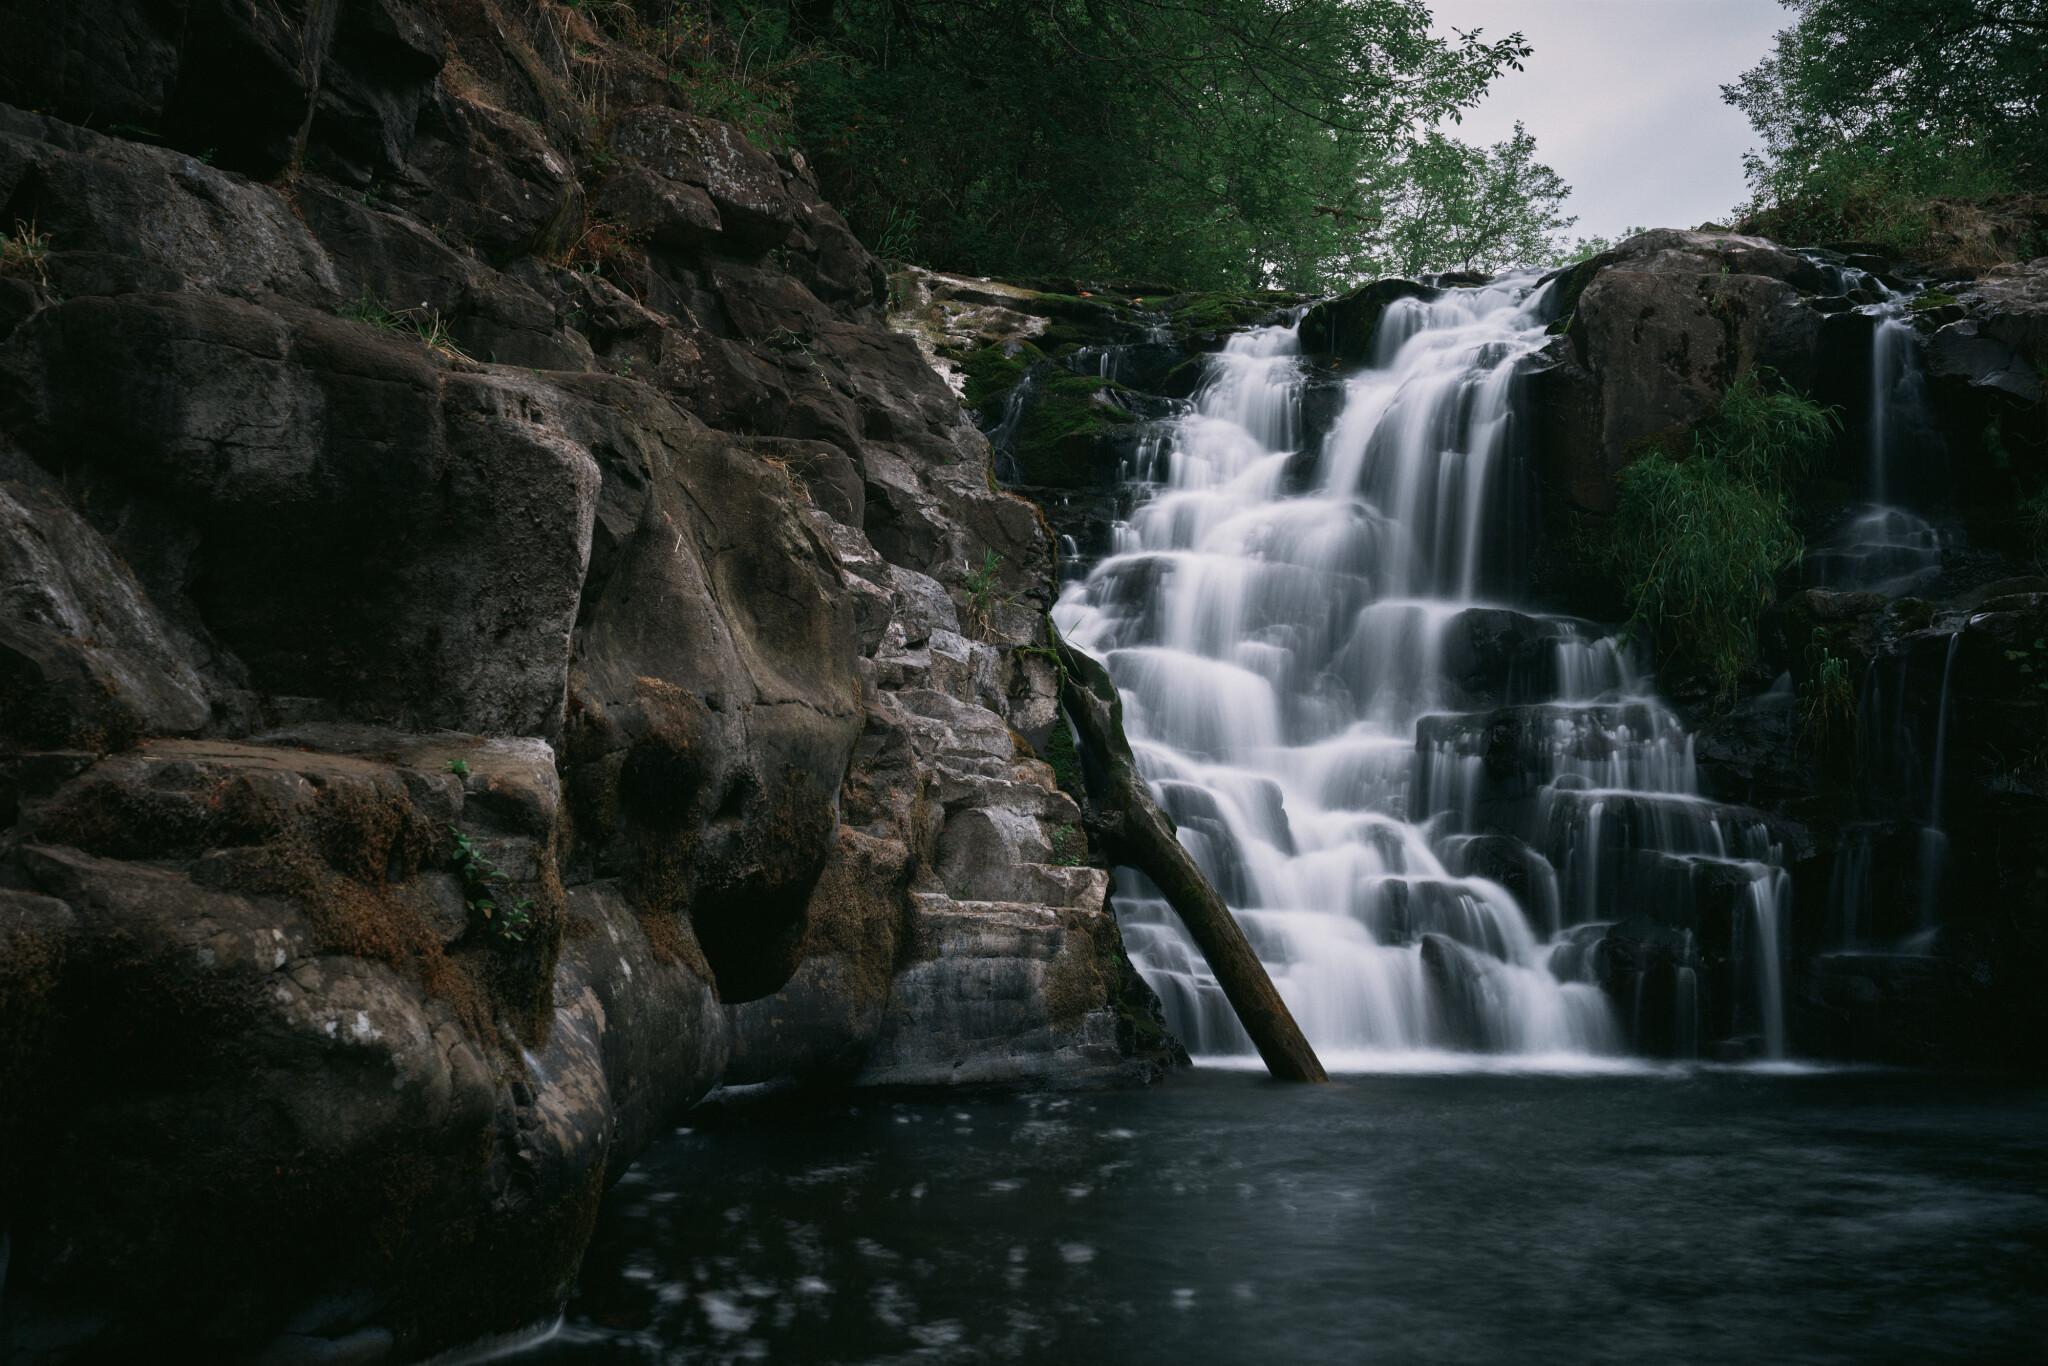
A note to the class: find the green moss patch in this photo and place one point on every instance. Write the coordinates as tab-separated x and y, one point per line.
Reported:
1058	443
995	370
1214	311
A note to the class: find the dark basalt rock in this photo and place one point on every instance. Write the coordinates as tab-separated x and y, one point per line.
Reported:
1699	330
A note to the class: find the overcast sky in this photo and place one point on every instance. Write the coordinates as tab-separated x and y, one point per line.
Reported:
1624	99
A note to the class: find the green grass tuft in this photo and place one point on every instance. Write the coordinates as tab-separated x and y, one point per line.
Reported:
1699	536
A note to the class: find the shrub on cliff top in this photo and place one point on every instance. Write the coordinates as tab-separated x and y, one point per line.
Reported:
1868	109
1700	534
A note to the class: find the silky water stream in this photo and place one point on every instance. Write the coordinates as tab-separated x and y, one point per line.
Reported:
1424	805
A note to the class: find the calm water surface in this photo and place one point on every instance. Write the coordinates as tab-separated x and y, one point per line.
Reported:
1689	1216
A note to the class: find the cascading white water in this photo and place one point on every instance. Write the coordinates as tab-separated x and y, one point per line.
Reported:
1884	548
1306	685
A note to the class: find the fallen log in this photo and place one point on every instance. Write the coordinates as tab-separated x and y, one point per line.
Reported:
1135	832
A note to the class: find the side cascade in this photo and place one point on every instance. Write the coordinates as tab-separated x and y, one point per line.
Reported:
1439	818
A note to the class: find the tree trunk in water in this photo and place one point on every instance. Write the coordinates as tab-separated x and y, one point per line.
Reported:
1136	832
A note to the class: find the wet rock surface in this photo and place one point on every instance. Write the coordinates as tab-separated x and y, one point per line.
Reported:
487	656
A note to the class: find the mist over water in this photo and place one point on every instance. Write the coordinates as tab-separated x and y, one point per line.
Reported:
1321	661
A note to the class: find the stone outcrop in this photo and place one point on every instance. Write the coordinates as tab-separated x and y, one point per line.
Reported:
1653	334
1063	375
2000	340
498	638
1343	329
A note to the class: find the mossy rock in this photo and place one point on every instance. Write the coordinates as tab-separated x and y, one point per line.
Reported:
1185	378
1142	289
1193	315
995	370
1062	339
1343	327
1061	440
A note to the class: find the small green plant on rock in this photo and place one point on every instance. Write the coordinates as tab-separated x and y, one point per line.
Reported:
481	881
2034	664
423	322
1069	847
982	603
458	767
1064	755
1827	700
1699	535
784	342
23	253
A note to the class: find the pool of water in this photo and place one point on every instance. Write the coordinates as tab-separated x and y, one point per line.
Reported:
1694	1215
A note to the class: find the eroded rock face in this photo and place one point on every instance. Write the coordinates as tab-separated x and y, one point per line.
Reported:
2001	344
473	679
1654	333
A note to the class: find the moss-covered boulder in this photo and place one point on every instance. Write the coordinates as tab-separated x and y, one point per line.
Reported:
990	373
1342	328
1204	321
1063	439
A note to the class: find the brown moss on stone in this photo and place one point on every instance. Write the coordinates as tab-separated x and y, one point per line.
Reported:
34	943
1074	981
859	912
342	847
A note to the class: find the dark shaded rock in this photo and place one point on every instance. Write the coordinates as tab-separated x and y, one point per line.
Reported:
92	193
669	212
703	760
1653	344
379	68
1343	327
1525	874
1962	351
1910	1010
754	210
85	659
286	991
1495	656
235	81
488	178
351	521
1458	995
823	1022
1648	970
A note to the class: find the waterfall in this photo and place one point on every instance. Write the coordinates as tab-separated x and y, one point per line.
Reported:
1424	806
1883	547
1004	436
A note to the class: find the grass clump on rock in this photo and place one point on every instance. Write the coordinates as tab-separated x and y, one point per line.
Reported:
1699	535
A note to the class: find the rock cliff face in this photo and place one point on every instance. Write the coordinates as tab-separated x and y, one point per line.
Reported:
1653	333
498	638
1919	840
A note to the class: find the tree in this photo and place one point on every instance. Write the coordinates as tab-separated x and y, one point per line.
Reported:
1453	205
1865	105
1218	142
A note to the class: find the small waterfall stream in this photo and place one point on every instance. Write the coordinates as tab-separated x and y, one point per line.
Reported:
1426	808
